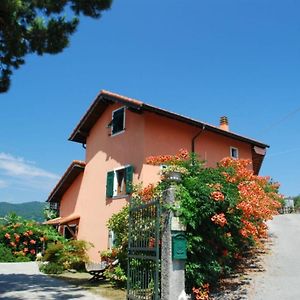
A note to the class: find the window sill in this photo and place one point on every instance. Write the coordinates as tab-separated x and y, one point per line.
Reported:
117	133
126	196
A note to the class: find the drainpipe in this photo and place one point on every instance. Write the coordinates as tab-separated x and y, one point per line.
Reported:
195	137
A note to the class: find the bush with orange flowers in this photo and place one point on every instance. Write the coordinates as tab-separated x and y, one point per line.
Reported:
23	238
225	210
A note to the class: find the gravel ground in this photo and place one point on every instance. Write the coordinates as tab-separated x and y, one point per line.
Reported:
24	281
275	272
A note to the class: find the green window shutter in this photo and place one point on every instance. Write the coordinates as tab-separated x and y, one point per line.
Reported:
110	184
129	177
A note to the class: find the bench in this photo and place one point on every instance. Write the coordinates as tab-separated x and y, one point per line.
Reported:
97	269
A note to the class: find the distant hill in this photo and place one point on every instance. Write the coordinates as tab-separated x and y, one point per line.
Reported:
27	210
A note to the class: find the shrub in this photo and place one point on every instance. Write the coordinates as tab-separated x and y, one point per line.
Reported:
224	209
51	268
25	238
72	254
5	254
116	275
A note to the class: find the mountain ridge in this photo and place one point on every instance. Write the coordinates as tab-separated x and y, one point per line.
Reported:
28	210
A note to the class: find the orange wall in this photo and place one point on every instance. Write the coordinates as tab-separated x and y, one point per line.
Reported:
145	134
68	201
105	153
167	136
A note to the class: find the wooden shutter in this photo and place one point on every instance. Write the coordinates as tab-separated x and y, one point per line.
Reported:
110	184
129	177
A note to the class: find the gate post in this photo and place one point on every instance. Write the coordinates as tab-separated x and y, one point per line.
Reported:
172	270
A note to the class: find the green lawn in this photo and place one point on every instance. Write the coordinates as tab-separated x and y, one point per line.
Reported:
102	288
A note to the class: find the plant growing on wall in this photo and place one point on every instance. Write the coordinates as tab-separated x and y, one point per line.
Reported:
224	210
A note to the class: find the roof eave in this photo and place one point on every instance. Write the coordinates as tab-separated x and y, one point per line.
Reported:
56	192
103	99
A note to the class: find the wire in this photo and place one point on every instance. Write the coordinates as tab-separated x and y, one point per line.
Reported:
287	116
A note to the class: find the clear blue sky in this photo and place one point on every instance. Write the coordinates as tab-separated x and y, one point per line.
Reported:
202	59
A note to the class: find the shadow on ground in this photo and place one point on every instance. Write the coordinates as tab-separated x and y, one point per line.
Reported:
23	286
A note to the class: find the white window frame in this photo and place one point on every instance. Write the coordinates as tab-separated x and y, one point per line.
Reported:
237	152
115	188
111	239
112	118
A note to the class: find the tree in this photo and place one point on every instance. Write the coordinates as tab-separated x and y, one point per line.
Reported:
297	202
39	26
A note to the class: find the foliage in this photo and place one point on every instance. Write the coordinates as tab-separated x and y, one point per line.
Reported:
39	26
69	254
49	213
5	254
28	210
52	268
116	275
224	209
297	202
118	223
25	238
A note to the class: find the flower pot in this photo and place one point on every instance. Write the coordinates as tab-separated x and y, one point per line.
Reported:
173	176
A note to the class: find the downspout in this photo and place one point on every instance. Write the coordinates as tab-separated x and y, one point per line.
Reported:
195	137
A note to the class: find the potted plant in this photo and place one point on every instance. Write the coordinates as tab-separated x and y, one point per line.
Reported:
173	172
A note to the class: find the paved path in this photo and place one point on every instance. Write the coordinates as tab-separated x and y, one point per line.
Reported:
281	279
24	281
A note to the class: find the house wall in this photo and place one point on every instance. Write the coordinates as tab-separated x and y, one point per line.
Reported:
105	153
145	134
167	136
69	199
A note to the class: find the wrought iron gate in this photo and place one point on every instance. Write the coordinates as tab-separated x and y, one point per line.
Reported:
143	278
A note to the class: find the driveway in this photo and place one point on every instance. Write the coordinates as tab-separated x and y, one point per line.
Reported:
24	281
282	266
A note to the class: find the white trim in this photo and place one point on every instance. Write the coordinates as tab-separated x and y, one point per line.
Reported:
115	187
112	117
120	168
237	152
111	239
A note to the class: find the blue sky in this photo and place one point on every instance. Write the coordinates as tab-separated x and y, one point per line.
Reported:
203	59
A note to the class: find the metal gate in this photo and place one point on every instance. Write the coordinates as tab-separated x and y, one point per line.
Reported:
143	278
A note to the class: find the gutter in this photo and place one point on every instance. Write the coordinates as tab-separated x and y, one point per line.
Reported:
195	137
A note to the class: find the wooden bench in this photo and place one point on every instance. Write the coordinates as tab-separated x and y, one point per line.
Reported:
97	269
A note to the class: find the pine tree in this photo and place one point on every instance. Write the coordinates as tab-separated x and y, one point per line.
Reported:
39	26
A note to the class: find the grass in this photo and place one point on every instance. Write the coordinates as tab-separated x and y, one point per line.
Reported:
102	288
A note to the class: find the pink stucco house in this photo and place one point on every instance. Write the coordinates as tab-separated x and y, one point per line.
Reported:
118	134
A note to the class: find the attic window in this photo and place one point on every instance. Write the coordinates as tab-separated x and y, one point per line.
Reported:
234	152
118	121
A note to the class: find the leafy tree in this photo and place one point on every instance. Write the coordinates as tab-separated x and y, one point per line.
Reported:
49	213
39	26
297	202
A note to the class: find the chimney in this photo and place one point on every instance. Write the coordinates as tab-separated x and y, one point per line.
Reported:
224	123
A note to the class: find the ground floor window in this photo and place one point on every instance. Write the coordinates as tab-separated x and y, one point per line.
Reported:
70	231
119	182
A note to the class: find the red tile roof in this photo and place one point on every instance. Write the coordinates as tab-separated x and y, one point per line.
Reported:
75	168
104	98
62	220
